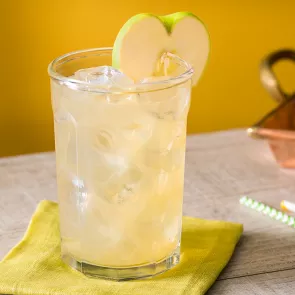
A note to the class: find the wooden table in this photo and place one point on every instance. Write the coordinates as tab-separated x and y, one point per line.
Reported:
220	167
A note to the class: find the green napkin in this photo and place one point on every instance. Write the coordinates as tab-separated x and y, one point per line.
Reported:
34	267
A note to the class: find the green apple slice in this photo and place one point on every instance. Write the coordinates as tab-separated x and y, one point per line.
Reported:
145	37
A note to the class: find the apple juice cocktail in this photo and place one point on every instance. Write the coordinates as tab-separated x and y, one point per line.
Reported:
120	153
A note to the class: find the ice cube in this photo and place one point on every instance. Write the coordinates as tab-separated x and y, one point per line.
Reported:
176	107
171	103
138	131
105	76
105	165
123	188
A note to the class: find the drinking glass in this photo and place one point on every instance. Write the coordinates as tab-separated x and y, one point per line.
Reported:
120	155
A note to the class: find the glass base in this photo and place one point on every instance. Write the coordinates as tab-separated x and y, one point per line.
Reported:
124	273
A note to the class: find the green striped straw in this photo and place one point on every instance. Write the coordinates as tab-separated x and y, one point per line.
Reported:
269	211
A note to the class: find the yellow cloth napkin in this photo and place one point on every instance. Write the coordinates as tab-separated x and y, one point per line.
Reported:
34	266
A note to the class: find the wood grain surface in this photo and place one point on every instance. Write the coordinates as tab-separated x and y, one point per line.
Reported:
220	167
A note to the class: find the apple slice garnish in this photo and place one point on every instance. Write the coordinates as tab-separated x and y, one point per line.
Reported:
145	37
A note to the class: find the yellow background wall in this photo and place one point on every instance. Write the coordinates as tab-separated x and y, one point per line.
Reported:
229	94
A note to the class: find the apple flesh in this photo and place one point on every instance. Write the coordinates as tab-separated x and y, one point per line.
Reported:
145	37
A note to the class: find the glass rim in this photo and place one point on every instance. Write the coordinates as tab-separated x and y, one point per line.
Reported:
137	87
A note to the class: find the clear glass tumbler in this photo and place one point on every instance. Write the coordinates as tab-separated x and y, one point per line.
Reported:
120	156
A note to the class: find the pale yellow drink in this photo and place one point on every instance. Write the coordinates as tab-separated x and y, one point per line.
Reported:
120	172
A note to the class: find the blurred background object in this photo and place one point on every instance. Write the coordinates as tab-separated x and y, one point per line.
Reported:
229	94
278	126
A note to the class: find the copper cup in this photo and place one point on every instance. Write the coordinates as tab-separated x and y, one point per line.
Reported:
278	126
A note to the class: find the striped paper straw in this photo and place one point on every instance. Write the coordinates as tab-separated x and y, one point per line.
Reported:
269	211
